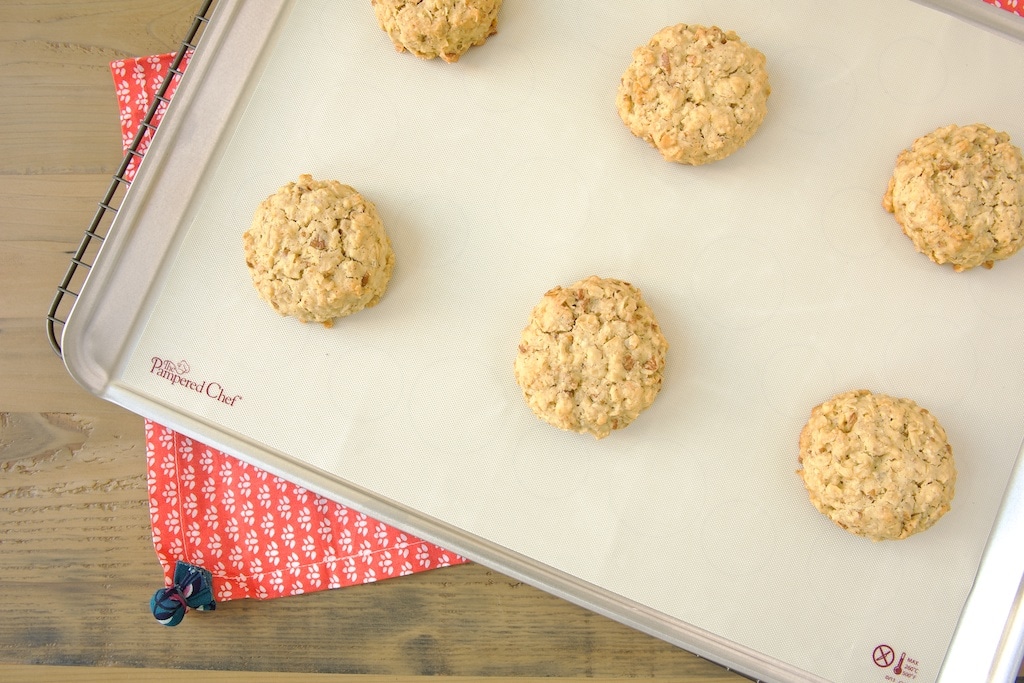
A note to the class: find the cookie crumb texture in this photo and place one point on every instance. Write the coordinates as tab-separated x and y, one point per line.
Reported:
317	250
591	357
958	194
879	467
437	28
697	94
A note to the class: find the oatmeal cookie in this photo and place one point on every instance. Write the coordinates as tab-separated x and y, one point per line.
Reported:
317	250
591	357
697	94
958	194
879	467
437	28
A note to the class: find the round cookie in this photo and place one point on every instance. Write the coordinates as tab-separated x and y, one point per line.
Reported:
317	250
591	357
879	467
958	194
437	28
697	94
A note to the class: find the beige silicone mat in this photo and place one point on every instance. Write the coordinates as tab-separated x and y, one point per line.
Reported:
777	277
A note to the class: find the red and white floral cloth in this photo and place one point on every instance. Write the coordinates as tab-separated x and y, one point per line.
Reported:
136	84
259	535
1012	6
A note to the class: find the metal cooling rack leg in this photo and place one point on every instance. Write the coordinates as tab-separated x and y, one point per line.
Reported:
57	316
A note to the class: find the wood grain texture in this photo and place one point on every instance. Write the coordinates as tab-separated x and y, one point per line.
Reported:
54	674
76	555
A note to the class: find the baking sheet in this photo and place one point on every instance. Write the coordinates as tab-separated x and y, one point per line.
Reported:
775	274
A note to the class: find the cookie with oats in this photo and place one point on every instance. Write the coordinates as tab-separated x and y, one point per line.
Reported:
879	467
591	357
958	194
437	28
317	250
696	93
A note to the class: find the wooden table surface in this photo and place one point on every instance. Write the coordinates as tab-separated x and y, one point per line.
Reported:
76	558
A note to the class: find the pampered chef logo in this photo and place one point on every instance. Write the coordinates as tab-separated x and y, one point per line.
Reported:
175	373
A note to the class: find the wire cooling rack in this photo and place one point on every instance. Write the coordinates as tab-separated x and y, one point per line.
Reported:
84	257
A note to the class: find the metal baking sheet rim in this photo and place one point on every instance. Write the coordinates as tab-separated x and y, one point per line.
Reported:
981	14
987	644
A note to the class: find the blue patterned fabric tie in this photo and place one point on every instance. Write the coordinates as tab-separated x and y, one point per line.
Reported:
192	588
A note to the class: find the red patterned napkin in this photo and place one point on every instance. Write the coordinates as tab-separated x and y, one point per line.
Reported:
1012	6
136	82
259	536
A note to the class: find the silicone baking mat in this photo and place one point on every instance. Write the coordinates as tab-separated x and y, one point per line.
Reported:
776	275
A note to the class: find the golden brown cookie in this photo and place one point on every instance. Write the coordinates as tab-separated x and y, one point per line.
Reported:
437	28
879	467
697	94
591	357
958	194
317	250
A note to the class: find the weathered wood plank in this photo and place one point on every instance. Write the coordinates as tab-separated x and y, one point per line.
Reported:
58	113
49	674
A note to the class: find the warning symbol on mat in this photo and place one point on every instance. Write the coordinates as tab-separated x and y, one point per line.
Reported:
883	656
